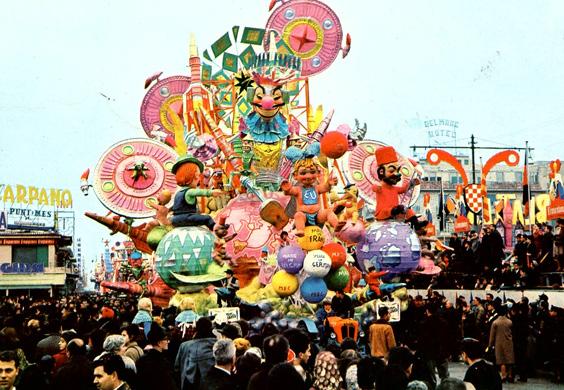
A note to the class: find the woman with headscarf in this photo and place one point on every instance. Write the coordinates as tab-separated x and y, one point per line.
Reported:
144	316
326	372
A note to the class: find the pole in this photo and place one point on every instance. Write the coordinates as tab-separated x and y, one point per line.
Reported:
528	184
473	148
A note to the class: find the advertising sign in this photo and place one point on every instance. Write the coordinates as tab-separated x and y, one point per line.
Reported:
3	220
225	314
21	268
393	307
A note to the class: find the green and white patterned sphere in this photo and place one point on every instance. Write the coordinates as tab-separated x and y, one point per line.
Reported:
156	235
184	259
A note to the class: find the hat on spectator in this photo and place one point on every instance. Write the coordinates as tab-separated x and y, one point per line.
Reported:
49	345
427	266
113	343
68	335
156	334
107	312
255	351
231	331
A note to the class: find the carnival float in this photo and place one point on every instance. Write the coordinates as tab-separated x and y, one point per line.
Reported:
237	171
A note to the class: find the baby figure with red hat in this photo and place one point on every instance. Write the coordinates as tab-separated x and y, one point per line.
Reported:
387	191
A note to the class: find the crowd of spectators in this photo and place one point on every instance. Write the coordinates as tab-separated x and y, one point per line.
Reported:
110	342
482	260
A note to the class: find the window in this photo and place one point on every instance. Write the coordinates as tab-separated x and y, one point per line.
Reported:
30	254
519	177
499	177
466	161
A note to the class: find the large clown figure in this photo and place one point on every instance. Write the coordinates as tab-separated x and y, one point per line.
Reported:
266	126
185	209
307	173
387	191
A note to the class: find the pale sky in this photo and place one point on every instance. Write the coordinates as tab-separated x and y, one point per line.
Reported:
496	67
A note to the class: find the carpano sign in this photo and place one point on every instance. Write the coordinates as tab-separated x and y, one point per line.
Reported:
31	195
22	268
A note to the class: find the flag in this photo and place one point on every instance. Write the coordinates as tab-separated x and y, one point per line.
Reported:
222	44
441	211
526	194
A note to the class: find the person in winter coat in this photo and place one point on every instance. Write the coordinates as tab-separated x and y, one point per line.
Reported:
154	370
195	357
501	339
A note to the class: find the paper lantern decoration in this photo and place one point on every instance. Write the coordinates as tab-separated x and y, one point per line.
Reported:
284	283
334	144
317	263
291	258
389	246
337	279
313	289
313	238
337	253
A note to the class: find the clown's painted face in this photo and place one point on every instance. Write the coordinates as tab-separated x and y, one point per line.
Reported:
389	173
267	101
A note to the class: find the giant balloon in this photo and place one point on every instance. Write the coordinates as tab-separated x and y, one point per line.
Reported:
391	246
334	144
337	279
291	258
313	238
337	253
317	263
284	283
313	289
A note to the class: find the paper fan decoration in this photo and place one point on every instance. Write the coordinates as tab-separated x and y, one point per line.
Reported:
132	172
164	97
310	30
359	168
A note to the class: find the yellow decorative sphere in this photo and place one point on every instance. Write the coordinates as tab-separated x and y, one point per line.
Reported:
313	238
284	283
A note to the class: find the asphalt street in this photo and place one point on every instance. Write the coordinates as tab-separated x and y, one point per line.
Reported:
458	370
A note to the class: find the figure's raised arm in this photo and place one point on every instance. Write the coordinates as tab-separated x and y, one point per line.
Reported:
288	188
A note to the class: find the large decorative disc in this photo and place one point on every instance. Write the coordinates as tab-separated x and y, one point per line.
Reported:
311	31
360	168
165	94
133	172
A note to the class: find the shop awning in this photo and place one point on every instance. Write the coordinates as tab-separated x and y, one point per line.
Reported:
31	281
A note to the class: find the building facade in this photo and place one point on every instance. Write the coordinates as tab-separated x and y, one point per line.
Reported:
36	264
501	181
